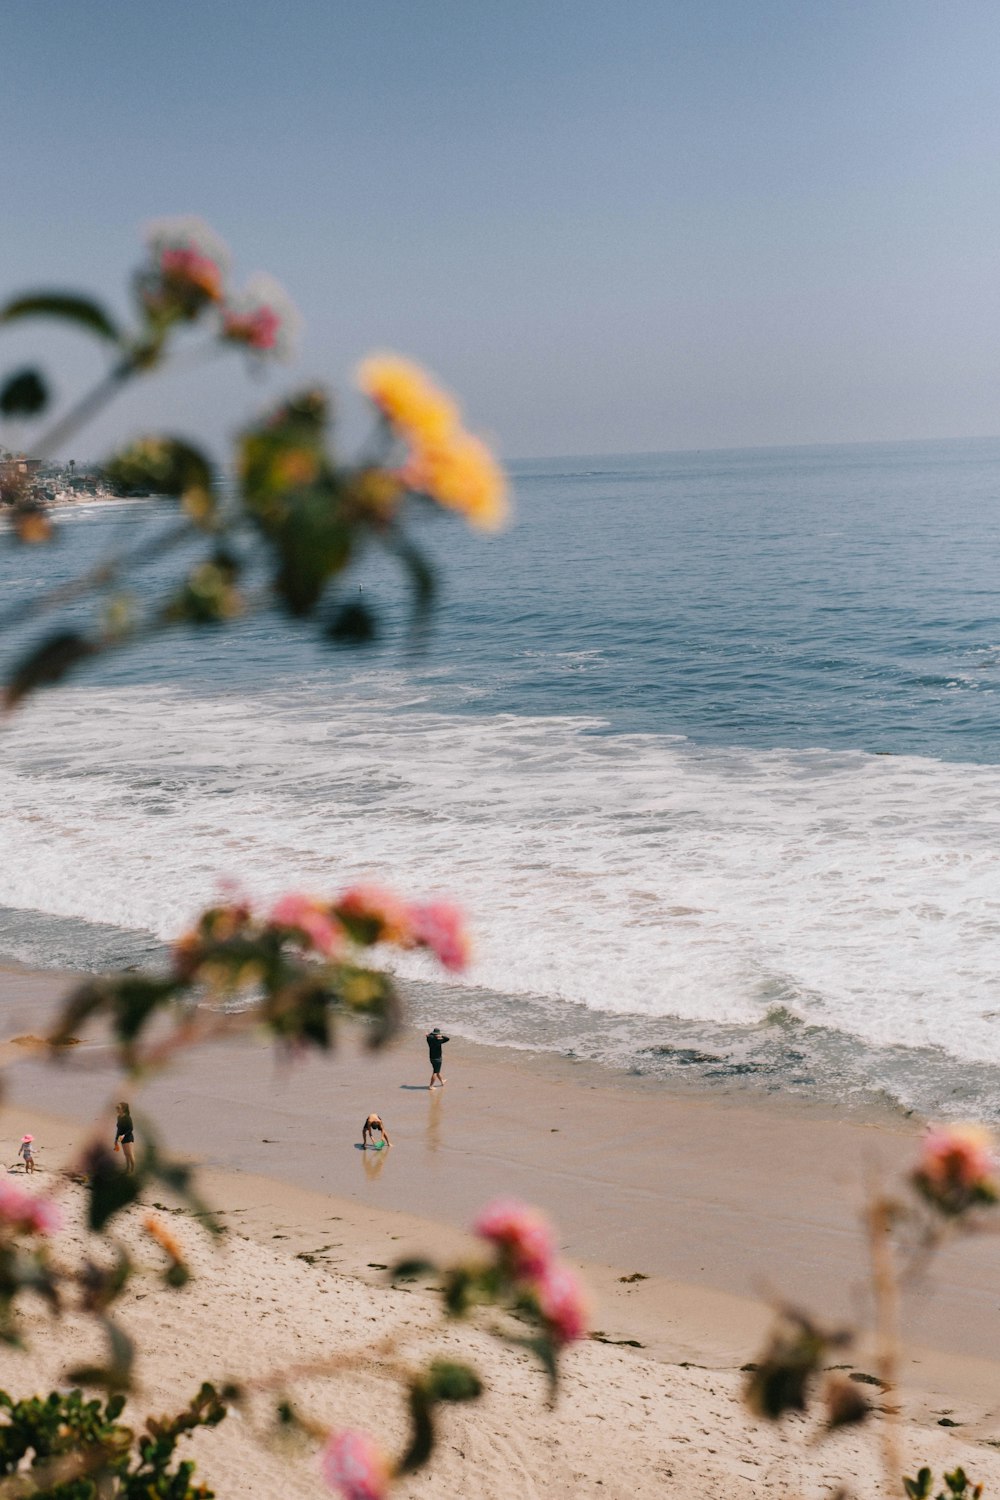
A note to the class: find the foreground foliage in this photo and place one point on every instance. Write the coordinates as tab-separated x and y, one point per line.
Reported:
67	1448
299	516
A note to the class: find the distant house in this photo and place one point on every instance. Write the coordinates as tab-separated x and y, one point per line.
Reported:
16	467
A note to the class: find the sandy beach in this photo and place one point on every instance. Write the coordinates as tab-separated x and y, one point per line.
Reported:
716	1202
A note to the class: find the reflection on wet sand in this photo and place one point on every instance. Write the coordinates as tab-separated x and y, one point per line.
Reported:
433	1132
373	1161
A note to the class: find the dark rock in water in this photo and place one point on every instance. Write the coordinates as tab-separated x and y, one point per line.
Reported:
685	1056
735	1070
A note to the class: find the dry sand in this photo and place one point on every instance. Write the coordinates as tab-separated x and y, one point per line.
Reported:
714	1200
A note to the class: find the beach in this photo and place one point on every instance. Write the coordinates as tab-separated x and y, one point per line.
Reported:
687	1213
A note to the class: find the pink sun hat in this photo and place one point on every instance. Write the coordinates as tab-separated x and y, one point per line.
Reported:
26	1139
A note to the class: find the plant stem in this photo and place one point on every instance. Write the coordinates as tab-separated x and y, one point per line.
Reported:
97	577
885	1285
88	406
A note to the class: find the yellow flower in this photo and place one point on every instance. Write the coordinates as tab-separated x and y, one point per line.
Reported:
408	398
464	476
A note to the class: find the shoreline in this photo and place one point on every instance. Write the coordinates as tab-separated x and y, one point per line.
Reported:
717	1204
748	1197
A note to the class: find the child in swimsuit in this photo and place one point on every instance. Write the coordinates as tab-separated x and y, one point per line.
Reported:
373	1123
26	1152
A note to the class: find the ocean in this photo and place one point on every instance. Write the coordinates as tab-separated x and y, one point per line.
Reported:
707	745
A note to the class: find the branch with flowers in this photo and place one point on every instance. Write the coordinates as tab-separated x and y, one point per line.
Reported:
294	505
303	517
952	1190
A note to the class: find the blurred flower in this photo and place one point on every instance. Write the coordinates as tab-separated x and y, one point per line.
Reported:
163	1237
24	1212
956	1168
439	926
462	475
297	466
380	914
520	1232
377	492
562	1303
32	524
220	923
262	317
186	955
311	918
187	269
351	1463
408	398
445	462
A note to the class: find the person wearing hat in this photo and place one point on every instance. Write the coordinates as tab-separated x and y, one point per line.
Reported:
435	1042
27	1153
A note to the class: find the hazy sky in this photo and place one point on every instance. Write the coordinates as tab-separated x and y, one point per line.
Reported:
609	227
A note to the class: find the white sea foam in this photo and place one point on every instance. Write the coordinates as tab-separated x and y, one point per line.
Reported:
636	874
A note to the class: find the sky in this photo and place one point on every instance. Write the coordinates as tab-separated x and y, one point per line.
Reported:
609	228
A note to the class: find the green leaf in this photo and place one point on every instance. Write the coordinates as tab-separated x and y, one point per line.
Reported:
82	311
410	1270
47	663
544	1350
167	466
116	1375
353	624
422	580
111	1188
447	1380
24	395
421	1444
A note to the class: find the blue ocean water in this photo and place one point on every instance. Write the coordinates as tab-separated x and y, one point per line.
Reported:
707	743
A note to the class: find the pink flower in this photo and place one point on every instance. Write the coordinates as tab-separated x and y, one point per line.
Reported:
385	918
22	1211
190	270
562	1303
187	269
955	1168
262	317
257	329
440	927
352	1464
521	1232
310	918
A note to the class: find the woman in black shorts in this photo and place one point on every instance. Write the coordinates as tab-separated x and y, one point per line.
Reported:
125	1133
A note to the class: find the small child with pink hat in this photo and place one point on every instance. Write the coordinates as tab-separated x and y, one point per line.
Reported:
26	1152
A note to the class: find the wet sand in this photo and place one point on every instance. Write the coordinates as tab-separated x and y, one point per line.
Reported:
742	1199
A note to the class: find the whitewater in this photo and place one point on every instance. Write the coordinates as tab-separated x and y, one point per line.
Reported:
729	798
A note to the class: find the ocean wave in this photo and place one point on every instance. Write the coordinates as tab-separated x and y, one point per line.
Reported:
634	875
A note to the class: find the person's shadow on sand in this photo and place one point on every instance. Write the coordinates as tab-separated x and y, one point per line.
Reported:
415	1088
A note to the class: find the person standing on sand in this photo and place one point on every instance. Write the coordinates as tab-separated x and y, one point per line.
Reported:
373	1123
125	1133
27	1153
435	1041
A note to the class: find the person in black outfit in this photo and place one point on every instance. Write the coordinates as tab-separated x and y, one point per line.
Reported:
125	1132
435	1041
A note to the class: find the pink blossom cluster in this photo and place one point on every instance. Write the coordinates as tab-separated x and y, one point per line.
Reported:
435	925
439	926
25	1213
262	317
525	1241
364	913
956	1167
188	267
354	1466
311	918
380	908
